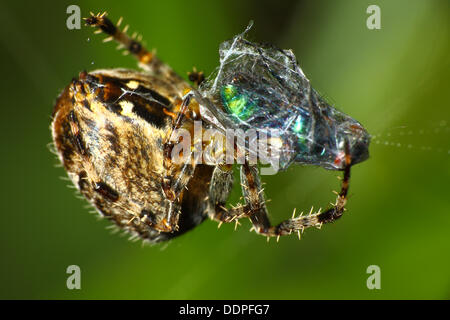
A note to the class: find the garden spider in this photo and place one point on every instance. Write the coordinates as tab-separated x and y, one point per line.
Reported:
113	131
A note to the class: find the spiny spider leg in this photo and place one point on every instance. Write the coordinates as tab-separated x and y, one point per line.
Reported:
101	22
298	224
253	194
219	191
147	60
254	197
172	186
192	111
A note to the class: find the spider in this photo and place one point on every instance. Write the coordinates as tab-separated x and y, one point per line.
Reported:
113	130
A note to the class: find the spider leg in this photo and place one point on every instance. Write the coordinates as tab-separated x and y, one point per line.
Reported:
219	191
147	60
298	224
197	77
172	183
186	118
253	194
254	197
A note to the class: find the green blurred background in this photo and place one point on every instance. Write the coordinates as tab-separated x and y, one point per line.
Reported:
395	81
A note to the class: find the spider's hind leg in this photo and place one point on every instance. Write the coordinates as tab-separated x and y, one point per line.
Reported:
103	24
147	60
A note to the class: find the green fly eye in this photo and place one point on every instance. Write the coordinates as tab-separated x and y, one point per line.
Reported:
238	104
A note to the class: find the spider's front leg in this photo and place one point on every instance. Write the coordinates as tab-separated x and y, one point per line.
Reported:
178	174
254	197
219	191
298	224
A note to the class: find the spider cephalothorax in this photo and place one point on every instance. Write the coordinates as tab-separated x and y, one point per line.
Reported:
115	132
